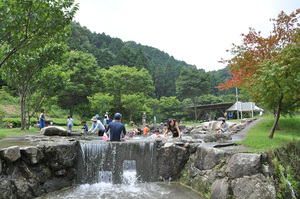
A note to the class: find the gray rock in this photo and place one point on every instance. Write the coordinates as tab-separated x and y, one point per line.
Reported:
7	189
0	166
242	164
219	189
208	157
56	184
171	160
210	138
11	154
252	188
31	154
54	130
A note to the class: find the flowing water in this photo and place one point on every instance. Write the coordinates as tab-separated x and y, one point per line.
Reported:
120	170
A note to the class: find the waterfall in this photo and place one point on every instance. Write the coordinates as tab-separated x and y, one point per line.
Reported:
129	172
117	162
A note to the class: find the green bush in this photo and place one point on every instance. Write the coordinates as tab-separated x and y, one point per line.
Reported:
56	121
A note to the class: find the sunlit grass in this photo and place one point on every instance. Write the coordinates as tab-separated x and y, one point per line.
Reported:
257	137
4	132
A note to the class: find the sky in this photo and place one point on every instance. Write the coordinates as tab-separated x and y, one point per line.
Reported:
198	32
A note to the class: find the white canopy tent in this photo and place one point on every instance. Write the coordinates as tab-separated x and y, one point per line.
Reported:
244	107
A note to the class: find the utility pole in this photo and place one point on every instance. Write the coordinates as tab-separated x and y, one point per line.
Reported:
237	103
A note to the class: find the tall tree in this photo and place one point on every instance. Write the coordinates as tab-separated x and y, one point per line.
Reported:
101	102
32	24
121	80
159	81
132	102
82	70
170	78
141	60
259	60
193	83
34	73
126	57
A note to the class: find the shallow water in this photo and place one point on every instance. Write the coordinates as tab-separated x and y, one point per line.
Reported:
126	191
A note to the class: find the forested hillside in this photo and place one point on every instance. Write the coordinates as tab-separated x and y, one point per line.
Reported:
100	73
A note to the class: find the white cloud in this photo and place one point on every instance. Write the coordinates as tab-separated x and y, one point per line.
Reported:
198	32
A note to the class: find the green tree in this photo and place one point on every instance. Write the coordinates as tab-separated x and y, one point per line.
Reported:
269	66
101	102
159	81
126	57
34	73
277	87
170	78
141	60
132	102
121	80
193	83
170	107
32	24
82	71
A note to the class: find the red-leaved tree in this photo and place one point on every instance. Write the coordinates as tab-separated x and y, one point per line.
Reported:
268	68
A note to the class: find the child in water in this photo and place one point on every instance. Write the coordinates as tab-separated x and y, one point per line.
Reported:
156	135
85	127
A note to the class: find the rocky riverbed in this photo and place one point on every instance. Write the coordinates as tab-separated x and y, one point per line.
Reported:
51	163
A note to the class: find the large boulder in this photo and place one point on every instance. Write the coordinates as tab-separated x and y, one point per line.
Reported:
11	154
55	130
243	164
171	160
61	156
252	188
31	154
219	189
208	157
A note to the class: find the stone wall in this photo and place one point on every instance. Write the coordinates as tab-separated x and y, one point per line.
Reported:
30	171
219	174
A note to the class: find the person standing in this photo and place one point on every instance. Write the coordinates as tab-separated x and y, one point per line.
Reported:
42	119
144	119
105	122
116	130
85	127
97	125
70	123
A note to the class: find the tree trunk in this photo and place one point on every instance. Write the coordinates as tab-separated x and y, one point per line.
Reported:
23	112
122	113
195	109
71	110
277	117
130	115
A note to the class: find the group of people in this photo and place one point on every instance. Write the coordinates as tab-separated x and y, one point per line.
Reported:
8	125
115	130
171	127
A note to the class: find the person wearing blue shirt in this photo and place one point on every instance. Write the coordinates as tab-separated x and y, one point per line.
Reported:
97	125
85	127
116	130
42	118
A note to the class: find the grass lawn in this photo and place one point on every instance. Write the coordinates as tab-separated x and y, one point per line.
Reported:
4	132
257	137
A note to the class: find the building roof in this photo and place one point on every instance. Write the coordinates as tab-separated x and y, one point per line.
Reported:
212	106
244	106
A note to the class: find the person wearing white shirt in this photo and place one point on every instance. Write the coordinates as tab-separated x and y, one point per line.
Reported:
97	125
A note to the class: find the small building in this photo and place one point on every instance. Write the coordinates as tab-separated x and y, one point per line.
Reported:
241	107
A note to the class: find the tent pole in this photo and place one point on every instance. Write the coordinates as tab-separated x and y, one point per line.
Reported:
237	101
